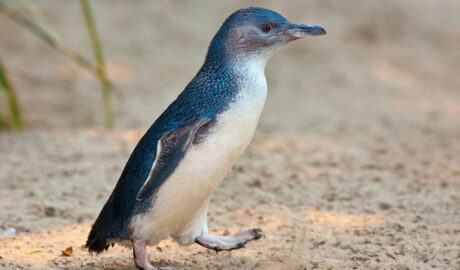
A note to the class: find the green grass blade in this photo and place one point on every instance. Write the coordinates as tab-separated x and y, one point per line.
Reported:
2	120
51	39
37	16
16	122
99	56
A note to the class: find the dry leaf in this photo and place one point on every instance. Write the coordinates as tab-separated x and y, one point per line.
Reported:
67	252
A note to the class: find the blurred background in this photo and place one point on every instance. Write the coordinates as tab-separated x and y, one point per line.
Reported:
355	162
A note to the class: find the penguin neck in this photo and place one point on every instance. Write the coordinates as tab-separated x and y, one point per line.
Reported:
248	65
245	68
234	59
227	79
251	73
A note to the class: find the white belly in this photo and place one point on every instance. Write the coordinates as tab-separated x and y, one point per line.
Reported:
179	210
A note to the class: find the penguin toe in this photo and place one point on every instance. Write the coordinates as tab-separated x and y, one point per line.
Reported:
256	233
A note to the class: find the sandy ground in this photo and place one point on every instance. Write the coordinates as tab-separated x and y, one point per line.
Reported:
355	165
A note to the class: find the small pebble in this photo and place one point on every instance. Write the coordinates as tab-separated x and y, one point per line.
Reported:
50	211
8	232
384	206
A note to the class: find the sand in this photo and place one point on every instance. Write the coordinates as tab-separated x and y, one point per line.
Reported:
355	164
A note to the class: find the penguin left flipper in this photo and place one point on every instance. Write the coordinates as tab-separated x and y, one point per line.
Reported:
171	148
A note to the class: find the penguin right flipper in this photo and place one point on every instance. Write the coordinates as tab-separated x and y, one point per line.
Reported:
171	148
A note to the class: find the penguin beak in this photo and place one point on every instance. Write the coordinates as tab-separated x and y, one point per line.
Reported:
296	31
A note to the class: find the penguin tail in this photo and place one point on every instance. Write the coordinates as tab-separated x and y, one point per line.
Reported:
97	240
102	233
97	243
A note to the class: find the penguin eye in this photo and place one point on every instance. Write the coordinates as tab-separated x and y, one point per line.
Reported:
266	27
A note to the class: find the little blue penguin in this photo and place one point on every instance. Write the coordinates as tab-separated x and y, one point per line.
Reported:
167	183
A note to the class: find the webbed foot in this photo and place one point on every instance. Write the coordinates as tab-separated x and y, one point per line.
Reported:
228	242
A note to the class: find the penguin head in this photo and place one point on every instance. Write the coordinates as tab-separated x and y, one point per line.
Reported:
257	32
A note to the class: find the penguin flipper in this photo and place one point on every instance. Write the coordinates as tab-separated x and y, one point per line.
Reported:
171	148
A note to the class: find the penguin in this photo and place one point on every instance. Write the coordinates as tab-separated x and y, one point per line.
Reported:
166	186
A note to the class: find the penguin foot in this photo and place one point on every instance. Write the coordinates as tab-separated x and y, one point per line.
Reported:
228	242
141	258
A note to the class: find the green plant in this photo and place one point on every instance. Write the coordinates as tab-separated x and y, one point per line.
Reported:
100	63
50	38
40	29
13	106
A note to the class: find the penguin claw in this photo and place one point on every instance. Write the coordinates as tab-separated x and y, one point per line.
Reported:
256	233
